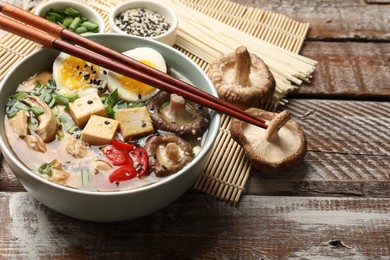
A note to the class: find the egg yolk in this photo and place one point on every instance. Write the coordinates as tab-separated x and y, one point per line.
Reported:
76	73
136	86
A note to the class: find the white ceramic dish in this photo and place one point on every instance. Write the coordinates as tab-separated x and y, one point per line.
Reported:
60	5
108	206
169	37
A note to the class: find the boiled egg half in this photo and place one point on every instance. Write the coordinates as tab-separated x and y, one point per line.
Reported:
133	90
75	75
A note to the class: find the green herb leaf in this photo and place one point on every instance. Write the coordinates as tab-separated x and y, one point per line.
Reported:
46	168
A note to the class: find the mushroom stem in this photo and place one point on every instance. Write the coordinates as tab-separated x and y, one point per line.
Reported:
242	67
173	153
276	124
176	104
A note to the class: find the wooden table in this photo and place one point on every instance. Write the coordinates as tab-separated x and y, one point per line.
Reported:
336	203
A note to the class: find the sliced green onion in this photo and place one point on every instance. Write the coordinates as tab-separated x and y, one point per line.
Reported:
21	106
90	26
61	99
67	21
32	122
121	105
37	110
45	168
19	95
72	96
75	23
137	104
84	177
81	29
68	124
71	12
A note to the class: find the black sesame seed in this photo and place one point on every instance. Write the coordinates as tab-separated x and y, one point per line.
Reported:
94	72
89	102
86	65
107	122
78	67
86	76
143	124
104	72
151	108
139	96
164	167
100	88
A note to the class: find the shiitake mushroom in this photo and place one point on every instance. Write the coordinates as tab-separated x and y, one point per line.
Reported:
282	145
172	113
167	153
242	79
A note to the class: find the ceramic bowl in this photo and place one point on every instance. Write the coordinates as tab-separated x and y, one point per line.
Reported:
60	5
118	205
169	37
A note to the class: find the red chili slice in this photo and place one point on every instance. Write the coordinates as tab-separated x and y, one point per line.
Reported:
124	146
123	173
116	156
141	160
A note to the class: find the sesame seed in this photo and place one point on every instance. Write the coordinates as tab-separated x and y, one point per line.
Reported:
142	22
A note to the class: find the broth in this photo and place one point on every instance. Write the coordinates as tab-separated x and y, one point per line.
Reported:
82	172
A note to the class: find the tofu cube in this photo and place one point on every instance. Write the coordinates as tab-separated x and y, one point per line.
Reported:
83	108
99	130
134	122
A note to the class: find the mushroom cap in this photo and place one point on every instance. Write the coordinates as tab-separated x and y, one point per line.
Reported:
242	79
184	118
163	159
282	145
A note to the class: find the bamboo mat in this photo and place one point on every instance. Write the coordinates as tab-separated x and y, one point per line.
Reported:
227	170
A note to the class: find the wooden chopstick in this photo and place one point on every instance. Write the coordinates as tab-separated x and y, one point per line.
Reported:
48	34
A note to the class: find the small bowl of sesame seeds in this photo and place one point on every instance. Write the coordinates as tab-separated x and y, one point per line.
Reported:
145	19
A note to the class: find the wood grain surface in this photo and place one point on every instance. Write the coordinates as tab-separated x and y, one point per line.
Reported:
334	205
261	227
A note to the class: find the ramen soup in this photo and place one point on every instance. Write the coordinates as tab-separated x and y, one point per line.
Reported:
82	126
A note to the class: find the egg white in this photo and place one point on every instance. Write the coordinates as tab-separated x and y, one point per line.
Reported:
86	87
151	56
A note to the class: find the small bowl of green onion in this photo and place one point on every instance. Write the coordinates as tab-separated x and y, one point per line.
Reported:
75	16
